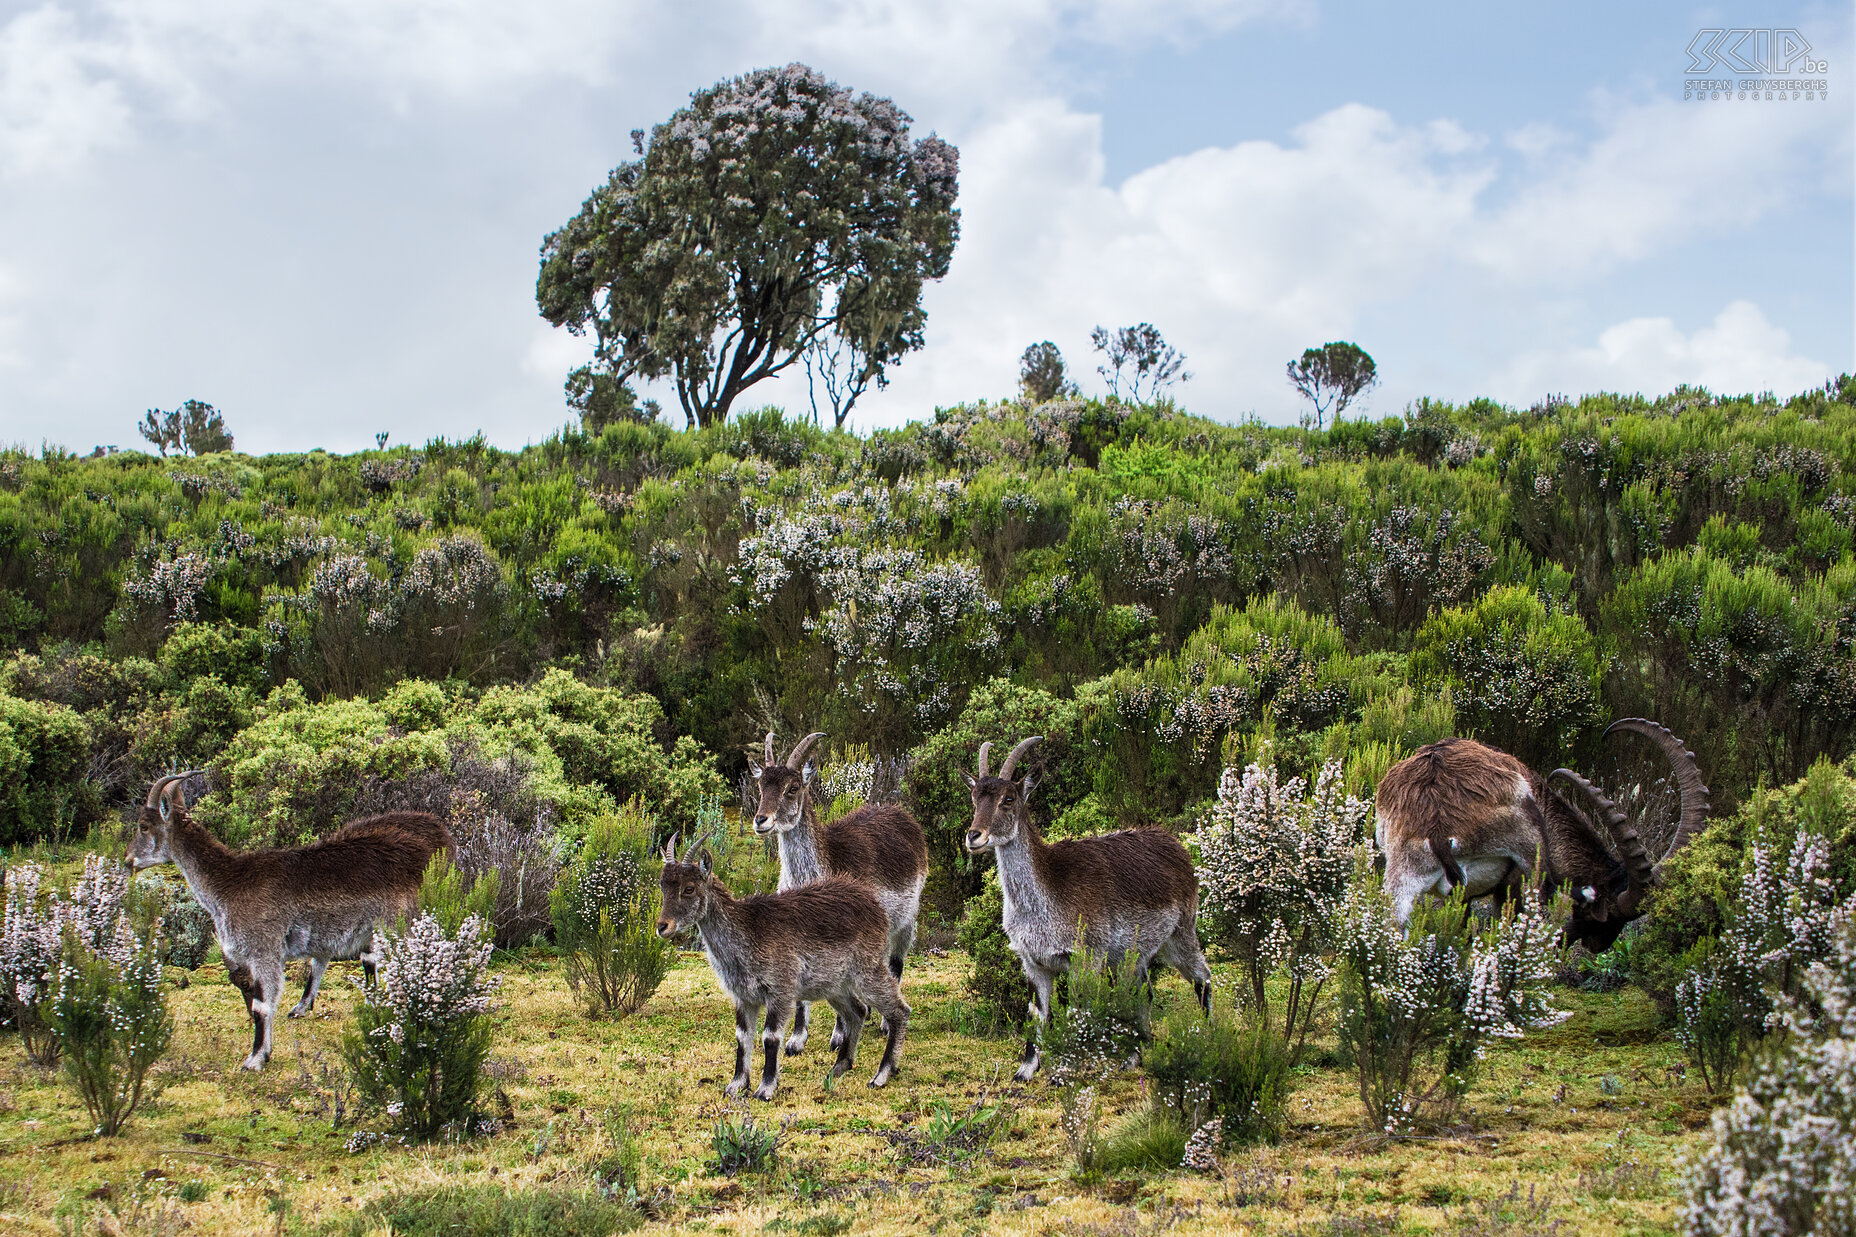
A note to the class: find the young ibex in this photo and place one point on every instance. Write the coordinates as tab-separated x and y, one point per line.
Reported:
322	902
1459	813
1134	891
827	941
881	846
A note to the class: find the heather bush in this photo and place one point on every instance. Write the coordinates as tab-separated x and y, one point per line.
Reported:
1419	1006
1232	1069
1100	1023
107	1009
1274	864
604	914
31	937
1783	924
421	1032
1782	1159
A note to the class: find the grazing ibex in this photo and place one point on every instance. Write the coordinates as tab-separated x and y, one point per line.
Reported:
1460	813
881	846
827	941
322	902
1134	891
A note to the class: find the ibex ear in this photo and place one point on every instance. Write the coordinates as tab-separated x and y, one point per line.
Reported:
1027	786
705	861
809	772
973	783
754	769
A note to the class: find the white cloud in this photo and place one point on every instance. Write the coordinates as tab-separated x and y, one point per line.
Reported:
1739	353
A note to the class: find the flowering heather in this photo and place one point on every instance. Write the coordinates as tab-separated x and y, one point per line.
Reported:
1274	864
32	940
1201	1155
1419	1006
422	1031
108	1011
1783	1158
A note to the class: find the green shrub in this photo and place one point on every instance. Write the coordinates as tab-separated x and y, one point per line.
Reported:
1149	1139
745	1145
490	1211
1524	679
44	749
604	912
106	1006
187	931
1231	1067
996	983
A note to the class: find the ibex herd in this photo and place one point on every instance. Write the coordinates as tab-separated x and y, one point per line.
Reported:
1454	814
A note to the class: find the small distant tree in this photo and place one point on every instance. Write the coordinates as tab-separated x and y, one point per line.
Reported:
162	429
778	217
195	427
1042	376
603	400
1140	358
1331	376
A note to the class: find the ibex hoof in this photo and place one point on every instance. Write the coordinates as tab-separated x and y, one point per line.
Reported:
837	1040
735	1088
1023	1073
299	1010
254	1062
797	1045
765	1091
882	1077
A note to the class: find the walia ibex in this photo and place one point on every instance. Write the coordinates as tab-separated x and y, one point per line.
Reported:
1459	813
1134	892
881	846
322	902
827	941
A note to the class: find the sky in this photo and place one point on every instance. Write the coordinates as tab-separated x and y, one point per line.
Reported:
324	219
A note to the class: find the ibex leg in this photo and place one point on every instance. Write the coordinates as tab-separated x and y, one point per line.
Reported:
316	967
777	1015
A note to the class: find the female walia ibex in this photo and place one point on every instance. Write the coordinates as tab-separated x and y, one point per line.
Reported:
1134	892
827	941
881	846
322	902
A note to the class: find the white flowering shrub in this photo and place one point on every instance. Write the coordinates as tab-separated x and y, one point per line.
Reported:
1275	860
33	929
604	914
1783	1156
422	1030
1419	1006
1783	924
105	1004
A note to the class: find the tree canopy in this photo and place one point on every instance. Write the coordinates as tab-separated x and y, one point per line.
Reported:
1331	376
777	217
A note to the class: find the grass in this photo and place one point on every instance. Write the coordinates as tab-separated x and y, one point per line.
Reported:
1579	1127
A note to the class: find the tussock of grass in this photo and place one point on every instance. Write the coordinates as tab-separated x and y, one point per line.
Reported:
488	1211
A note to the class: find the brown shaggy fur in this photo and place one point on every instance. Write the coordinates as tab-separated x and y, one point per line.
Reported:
881	845
390	850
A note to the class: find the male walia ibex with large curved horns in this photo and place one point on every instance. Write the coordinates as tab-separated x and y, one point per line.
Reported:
827	941
879	845
1133	891
322	902
1460	813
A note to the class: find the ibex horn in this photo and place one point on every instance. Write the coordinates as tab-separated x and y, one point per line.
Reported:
154	792
696	843
1688	779
1630	846
985	759
798	758
771	758
1011	761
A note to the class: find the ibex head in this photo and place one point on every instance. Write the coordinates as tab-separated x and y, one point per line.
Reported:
784	786
152	841
1601	910
999	800
687	885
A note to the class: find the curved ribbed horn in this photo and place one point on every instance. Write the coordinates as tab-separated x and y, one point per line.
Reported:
771	758
1011	761
1630	846
797	758
154	792
697	842
1688	779
985	765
